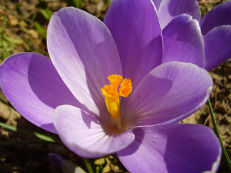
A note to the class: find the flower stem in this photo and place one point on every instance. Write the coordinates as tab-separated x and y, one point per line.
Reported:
88	165
218	134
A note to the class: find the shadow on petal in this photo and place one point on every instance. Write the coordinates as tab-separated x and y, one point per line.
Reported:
49	87
134	146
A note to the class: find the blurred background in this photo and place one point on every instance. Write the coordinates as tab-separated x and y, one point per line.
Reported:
24	148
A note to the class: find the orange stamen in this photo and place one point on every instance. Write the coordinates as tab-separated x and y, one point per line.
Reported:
112	94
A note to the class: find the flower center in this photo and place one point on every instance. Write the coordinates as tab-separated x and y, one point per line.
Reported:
117	88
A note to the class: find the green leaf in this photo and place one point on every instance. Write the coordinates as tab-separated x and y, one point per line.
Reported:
44	137
218	134
78	3
46	13
37	134
9	127
41	30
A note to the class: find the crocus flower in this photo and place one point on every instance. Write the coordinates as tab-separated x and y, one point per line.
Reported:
119	87
215	27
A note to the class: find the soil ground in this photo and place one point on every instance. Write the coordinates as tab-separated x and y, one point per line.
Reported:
23	26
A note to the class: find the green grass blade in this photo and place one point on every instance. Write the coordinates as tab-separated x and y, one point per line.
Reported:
218	134
44	137
41	30
36	134
46	13
8	127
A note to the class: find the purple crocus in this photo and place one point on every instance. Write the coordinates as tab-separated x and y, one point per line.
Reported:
121	86
182	18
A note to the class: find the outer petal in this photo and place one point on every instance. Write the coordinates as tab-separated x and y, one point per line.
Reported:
217	46
173	148
136	30
219	15
169	93
169	9
83	134
84	54
183	41
157	3
32	85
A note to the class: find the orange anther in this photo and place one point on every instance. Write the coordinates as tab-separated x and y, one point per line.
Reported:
115	79
125	87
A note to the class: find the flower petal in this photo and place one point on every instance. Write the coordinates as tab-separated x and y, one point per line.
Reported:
219	15
217	46
169	93
34	88
157	3
84	54
136	30
173	148
183	41
169	9
82	133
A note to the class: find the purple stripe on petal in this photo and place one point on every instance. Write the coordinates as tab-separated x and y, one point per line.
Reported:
219	15
135	27
217	46
83	134
183	41
32	85
169	9
169	93
172	148
84	54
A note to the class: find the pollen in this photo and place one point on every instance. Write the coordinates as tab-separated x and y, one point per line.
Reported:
117	88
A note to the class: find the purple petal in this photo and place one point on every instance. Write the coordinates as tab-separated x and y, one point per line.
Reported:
136	30
183	41
169	93
83	134
34	88
169	9
217	46
219	15
157	3
84	54
177	148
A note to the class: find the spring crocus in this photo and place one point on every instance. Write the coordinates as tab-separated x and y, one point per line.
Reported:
215	29
111	88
